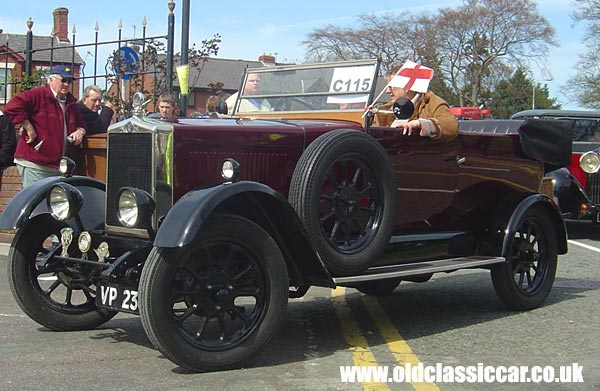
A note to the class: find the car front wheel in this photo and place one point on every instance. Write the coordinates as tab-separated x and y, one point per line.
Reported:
55	294
215	304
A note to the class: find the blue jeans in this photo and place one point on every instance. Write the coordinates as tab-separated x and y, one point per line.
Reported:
31	175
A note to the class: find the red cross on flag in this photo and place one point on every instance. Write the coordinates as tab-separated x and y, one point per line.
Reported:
412	77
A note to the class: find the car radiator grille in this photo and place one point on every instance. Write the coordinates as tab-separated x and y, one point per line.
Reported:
129	164
593	187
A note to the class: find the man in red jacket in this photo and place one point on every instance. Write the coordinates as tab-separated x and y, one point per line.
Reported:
46	116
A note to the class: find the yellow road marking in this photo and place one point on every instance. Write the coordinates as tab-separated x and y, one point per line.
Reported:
361	353
396	344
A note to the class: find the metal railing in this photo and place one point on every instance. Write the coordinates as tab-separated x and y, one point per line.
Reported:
132	64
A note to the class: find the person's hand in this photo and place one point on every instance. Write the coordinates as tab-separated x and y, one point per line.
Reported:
77	136
425	127
30	133
410	126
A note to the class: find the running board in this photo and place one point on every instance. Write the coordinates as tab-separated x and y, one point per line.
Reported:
412	269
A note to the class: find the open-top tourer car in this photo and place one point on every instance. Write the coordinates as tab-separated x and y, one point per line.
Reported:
205	227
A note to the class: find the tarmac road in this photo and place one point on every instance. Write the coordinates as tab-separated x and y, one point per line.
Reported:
454	319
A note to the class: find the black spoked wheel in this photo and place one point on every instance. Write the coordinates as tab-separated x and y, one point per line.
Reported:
525	280
58	296
344	190
218	304
378	287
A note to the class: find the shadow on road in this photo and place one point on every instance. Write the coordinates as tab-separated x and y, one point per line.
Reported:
583	230
310	329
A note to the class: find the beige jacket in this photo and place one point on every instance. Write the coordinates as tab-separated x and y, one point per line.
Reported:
432	107
247	105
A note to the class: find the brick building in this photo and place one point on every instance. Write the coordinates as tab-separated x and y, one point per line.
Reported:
49	50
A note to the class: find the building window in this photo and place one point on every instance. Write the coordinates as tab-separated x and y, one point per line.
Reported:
5	86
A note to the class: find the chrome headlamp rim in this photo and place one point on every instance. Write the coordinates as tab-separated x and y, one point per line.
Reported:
64	201
134	208
590	162
66	166
230	170
127	208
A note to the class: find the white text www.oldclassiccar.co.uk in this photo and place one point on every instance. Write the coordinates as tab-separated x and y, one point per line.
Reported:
440	373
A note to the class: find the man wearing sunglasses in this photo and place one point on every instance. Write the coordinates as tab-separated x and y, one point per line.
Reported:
46	117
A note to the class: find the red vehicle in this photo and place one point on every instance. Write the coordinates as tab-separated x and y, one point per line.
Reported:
577	186
206	227
465	113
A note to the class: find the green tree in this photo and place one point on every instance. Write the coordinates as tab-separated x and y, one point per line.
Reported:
516	94
26	82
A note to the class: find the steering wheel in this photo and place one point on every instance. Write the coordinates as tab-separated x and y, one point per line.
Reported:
286	103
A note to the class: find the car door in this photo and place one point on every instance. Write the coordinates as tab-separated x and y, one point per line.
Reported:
426	172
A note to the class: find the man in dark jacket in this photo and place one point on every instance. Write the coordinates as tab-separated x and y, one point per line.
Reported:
8	141
97	116
46	116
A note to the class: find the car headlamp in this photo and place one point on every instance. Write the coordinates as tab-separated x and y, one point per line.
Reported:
66	166
590	162
135	208
64	201
230	170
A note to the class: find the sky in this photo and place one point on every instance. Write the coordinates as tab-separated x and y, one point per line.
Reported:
249	29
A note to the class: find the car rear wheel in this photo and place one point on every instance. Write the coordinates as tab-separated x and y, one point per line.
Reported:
344	190
217	303
525	280
56	295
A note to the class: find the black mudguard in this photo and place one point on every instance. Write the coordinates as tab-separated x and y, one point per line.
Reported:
569	192
507	215
257	202
31	201
182	223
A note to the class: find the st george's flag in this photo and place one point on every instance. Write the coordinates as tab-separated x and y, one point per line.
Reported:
412	77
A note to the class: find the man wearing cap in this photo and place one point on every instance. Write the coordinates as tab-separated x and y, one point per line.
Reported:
432	117
46	116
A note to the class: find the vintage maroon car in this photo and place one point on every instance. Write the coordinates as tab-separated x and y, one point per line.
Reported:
577	186
205	227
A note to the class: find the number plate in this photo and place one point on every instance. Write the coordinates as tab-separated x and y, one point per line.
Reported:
117	297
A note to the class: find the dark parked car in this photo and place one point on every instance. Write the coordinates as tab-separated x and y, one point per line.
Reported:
205	227
577	186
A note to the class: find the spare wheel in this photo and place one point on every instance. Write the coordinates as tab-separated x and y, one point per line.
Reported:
344	190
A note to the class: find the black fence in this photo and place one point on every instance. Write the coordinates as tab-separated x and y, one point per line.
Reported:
120	67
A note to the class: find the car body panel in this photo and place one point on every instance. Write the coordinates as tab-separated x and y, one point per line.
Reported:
269	146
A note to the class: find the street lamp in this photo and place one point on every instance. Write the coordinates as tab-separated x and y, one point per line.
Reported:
547	76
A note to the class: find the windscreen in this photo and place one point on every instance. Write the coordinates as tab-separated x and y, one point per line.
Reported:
316	87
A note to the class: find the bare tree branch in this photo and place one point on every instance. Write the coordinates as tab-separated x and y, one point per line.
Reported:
465	46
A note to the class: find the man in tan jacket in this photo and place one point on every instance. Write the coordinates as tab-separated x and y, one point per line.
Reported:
432	116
